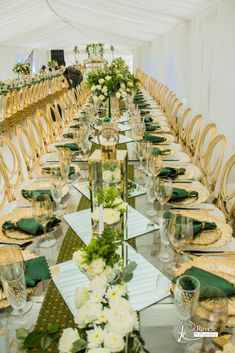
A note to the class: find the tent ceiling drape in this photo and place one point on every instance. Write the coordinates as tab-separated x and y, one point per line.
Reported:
65	23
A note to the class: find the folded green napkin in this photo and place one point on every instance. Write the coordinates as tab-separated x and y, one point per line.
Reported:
144	112
69	135
171	172
198	226
154	138
143	105
47	170
28	194
36	270
182	194
156	151
30	226
207	280
76	126
150	127
72	146
148	119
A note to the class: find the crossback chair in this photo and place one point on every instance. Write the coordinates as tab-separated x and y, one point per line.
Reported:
226	194
192	132
175	117
5	191
207	136
11	162
27	146
46	127
35	136
213	162
54	115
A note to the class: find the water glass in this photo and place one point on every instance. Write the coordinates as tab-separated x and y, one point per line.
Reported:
163	190
42	209
166	226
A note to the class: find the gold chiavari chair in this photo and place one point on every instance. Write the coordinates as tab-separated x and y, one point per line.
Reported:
46	127
11	161
27	147
192	134
213	162
5	192
226	194
207	136
171	107
151	86
175	117
64	111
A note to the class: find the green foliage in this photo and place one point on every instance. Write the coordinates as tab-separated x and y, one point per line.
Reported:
104	246
127	273
79	345
53	64
21	68
107	196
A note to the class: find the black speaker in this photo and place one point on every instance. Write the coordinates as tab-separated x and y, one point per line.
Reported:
58	55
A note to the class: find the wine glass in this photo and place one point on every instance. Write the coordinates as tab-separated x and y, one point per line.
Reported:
86	146
56	187
42	209
163	190
140	145
155	164
151	197
210	313
166	226
180	238
13	281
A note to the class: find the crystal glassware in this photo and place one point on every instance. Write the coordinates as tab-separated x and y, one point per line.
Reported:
166	226
150	211
163	190
42	209
155	164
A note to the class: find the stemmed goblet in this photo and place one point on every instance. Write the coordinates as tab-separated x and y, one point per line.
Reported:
163	190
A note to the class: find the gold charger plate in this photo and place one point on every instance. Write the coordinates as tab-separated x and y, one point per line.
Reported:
17	237
39	169
203	194
209	238
220	265
37	185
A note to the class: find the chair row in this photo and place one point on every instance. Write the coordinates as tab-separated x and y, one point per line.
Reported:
205	146
21	154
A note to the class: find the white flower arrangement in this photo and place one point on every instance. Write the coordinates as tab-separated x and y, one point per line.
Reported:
110	216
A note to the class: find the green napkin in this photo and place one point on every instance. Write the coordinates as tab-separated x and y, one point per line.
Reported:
207	279
154	139
69	135
143	105
30	226
72	146
148	119
36	270
150	127
171	172
144	112
76	126
182	194
156	151
28	194
47	170
198	226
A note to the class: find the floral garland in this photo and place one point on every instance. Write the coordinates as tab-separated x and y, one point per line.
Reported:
53	64
91	49
21	68
116	80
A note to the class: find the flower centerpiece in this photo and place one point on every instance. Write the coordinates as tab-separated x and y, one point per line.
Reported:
21	70
53	64
95	51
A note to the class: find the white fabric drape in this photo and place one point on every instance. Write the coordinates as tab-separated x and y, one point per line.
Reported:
196	59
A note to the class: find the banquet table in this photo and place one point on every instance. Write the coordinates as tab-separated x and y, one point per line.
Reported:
156	321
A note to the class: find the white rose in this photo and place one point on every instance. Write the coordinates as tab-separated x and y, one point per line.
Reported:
104	89
98	282
124	94
114	341
117	175
87	313
111	216
99	350
97	266
95	337
107	176
81	296
118	95
120	320
101	97
98	87
93	88
116	291
79	258
108	78
101	80
69	336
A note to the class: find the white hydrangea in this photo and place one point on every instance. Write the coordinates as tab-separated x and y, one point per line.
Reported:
93	88
118	95
98	87
123	86
114	341
97	266
121	303
81	296
116	291
101	80
87	313
98	282
101	97
95	337
108	78
69	336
